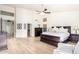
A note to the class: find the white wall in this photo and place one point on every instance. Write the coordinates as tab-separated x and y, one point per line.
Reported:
22	16
64	19
26	16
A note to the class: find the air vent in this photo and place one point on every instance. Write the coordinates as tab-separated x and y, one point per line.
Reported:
7	13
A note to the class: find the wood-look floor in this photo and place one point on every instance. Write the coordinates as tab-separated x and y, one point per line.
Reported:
29	46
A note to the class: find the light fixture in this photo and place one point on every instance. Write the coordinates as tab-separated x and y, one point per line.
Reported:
76	29
42	13
43	10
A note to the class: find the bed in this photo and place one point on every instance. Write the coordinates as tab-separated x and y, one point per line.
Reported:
55	37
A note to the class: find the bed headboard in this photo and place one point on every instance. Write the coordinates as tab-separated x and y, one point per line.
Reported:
67	27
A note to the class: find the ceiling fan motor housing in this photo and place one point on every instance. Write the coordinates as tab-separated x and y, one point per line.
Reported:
45	9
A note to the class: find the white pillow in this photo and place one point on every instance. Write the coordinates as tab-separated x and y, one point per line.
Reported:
63	30
55	29
50	29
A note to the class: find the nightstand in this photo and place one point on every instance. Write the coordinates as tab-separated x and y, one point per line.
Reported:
74	37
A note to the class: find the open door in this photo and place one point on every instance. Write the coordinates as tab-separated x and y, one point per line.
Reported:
29	30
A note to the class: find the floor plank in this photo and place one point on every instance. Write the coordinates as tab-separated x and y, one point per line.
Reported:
29	46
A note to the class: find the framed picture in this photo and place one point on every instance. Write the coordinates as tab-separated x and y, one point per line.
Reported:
19	26
44	19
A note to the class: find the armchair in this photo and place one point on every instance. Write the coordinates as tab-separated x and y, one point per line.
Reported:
64	48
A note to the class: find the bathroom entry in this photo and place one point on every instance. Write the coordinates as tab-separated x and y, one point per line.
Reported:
8	27
29	26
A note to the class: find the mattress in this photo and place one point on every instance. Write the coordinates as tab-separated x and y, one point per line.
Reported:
63	36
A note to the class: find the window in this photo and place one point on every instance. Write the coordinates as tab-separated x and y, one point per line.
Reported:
19	26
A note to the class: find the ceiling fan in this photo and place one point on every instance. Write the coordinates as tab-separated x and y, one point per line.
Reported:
45	10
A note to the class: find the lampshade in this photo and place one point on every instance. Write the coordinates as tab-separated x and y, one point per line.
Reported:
76	28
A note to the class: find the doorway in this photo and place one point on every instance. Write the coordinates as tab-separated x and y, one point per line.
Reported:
29	28
8	27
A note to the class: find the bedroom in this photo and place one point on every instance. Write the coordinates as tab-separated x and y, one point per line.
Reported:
30	20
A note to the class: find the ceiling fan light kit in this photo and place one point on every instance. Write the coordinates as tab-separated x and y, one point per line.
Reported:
42	13
45	11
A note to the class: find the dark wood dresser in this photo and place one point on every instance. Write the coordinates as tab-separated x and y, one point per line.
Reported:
38	31
74	37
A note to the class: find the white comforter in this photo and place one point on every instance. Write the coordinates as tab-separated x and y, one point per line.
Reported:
63	36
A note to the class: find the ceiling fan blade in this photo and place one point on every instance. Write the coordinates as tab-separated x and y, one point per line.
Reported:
38	11
47	12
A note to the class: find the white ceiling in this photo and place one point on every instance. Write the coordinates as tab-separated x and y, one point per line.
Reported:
51	7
